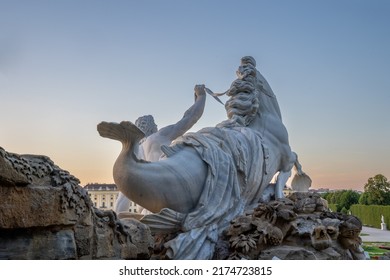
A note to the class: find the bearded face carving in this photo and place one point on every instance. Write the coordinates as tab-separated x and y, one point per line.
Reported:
320	238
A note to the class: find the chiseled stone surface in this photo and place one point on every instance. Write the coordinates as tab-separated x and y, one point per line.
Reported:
285	229
45	214
299	227
42	244
36	206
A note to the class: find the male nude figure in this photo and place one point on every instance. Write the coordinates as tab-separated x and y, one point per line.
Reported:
150	146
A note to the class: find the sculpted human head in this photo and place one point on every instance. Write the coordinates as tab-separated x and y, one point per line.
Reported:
146	124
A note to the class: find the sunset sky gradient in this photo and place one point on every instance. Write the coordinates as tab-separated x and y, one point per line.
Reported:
65	66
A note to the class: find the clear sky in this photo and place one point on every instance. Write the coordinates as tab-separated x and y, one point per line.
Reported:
65	66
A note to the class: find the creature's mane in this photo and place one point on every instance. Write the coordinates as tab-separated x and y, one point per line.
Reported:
250	96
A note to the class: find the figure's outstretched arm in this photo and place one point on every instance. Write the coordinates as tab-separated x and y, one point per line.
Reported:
190	117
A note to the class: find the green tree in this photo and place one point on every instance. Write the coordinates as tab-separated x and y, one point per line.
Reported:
376	191
342	198
348	198
364	199
327	196
336	199
344	210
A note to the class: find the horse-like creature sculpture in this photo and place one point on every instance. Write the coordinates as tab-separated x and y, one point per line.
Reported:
209	177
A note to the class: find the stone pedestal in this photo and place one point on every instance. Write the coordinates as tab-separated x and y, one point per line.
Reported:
383	226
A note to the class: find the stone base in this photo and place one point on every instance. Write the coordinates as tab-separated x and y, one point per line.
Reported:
383	226
46	215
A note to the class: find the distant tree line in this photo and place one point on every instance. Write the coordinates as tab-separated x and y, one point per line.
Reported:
376	192
371	215
342	200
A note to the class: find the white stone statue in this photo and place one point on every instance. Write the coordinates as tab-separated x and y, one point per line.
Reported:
150	146
383	224
207	178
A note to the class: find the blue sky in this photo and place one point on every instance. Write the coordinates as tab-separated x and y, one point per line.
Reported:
65	66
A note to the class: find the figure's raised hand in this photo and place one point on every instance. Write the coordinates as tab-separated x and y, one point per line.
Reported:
200	90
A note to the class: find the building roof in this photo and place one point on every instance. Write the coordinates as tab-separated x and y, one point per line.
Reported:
101	187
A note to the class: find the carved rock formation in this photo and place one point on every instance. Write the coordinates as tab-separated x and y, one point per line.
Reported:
45	214
299	227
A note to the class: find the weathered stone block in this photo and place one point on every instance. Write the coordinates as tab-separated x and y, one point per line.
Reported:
38	245
8	175
33	206
140	235
45	214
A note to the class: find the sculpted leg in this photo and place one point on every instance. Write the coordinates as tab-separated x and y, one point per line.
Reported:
281	182
285	174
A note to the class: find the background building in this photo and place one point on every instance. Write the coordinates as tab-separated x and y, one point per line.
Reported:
104	196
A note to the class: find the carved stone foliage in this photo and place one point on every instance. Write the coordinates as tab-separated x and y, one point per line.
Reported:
45	214
296	227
